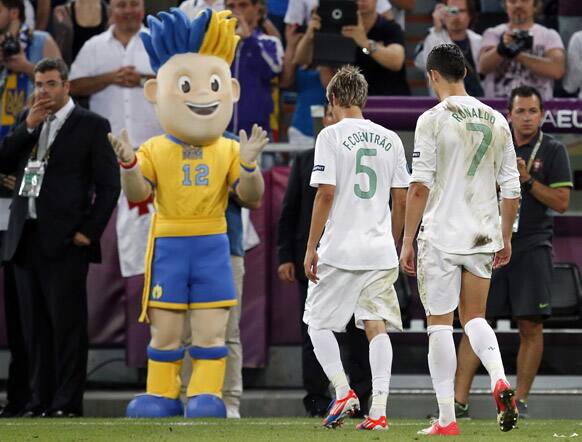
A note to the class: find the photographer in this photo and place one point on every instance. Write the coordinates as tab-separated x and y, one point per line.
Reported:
521	52
20	49
451	25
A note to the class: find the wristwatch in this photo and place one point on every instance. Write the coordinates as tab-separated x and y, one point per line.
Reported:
142	80
527	185
373	47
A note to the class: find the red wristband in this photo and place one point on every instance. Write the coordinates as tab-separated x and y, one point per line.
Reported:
130	165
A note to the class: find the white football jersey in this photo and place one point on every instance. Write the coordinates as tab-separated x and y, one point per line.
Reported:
363	161
462	148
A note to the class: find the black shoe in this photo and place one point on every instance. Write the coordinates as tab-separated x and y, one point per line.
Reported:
10	411
59	414
315	405
31	413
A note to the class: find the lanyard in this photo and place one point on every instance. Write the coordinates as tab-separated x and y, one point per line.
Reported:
535	151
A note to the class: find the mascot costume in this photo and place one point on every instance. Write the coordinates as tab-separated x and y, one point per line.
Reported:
190	170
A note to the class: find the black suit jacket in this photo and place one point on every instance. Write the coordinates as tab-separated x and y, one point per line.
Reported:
80	189
295	220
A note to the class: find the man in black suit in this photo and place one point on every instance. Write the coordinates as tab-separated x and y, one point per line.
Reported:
293	232
54	232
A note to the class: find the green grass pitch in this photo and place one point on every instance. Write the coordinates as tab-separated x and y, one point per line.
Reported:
271	429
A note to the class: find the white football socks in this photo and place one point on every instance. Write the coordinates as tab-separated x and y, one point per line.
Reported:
442	363
381	366
484	344
327	352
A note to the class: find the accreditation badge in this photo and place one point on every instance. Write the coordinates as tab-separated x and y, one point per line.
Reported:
32	179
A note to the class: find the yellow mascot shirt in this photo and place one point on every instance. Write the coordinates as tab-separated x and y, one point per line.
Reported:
191	184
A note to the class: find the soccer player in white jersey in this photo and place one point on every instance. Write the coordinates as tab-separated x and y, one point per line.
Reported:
462	150
359	166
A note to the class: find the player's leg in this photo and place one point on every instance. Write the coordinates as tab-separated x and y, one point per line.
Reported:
467	365
329	306
377	309
474	291
439	282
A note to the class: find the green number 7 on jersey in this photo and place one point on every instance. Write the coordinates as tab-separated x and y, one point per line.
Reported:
485	143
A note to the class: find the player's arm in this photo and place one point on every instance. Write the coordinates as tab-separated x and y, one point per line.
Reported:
398	197
321	208
133	183
424	159
251	186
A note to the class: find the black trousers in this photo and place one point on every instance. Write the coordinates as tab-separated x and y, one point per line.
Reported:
53	305
17	388
355	358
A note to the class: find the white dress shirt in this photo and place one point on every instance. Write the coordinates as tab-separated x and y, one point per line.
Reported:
193	7
124	107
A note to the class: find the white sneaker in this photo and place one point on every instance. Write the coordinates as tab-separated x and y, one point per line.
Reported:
232	412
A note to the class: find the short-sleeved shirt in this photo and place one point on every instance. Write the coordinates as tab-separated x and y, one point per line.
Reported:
462	149
382	81
572	82
124	107
364	161
551	167
510	73
191	184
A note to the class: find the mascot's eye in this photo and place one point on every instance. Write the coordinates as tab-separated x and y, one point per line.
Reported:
215	83
184	84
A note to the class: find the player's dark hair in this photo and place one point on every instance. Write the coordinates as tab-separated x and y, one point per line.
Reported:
524	91
448	60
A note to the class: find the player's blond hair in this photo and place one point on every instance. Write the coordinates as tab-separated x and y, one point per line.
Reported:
348	87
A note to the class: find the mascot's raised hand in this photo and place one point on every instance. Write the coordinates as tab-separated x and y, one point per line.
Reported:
123	150
250	148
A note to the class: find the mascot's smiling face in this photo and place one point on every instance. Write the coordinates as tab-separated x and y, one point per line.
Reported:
194	96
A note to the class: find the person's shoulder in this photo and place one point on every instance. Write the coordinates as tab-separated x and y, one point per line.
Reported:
90	115
386	25
496	30
384	130
99	39
40	34
474	36
552	145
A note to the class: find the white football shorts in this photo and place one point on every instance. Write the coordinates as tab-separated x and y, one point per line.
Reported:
439	276
340	293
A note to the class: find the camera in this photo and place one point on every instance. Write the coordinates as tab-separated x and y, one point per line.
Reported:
10	46
522	41
452	10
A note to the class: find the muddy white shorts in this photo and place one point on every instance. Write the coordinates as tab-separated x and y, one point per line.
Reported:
339	294
439	276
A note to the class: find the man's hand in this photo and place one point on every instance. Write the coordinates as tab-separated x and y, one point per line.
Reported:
503	256
39	112
310	265
243	30
8	181
250	148
313	25
123	150
292	36
522	169
357	33
19	63
131	77
438	17
81	240
408	258
286	272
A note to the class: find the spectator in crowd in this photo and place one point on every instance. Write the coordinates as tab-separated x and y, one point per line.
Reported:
569	18
451	25
112	67
293	231
573	80
521	290
521	52
54	232
309	89
259	58
21	47
76	22
380	50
